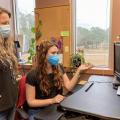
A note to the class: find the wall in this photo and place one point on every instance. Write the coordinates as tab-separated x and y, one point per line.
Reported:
115	19
6	4
50	3
53	20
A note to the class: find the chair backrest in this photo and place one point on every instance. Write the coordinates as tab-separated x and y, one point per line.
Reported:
21	114
21	92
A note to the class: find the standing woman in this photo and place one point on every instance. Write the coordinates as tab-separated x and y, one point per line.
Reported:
44	84
8	68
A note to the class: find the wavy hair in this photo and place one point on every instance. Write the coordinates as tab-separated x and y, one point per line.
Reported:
7	53
41	67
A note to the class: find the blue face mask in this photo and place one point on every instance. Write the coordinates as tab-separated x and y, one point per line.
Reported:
53	59
5	31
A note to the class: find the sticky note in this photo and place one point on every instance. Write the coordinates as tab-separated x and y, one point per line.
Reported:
64	33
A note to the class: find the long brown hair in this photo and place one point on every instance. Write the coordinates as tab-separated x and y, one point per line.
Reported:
41	67
7	53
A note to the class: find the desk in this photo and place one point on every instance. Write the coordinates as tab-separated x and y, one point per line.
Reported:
100	100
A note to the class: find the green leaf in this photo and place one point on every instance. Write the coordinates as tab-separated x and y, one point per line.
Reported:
33	29
32	45
38	35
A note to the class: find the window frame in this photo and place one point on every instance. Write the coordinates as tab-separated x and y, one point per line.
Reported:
73	31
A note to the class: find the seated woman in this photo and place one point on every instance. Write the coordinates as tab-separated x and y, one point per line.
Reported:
44	83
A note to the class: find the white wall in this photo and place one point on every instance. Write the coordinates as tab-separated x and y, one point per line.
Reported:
5	4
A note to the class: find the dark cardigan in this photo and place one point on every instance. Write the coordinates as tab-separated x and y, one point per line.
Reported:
8	88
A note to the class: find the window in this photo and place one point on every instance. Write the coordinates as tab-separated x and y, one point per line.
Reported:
24	23
92	28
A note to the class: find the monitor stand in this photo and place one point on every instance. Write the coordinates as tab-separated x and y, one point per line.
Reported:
116	83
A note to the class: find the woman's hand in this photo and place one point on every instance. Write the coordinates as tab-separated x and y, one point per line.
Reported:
84	67
19	77
58	98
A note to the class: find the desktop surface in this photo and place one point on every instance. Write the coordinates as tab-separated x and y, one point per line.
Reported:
100	100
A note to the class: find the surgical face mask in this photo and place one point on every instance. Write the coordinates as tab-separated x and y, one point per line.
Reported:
5	31
53	59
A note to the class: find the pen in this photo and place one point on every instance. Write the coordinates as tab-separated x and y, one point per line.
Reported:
89	87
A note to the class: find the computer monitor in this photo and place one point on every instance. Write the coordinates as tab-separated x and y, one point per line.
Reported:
117	61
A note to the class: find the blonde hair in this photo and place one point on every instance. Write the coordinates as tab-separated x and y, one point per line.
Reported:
7	52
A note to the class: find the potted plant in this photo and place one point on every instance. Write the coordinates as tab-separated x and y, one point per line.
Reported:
77	59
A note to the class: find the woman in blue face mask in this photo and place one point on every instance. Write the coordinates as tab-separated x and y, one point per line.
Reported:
4	31
4	23
8	68
44	84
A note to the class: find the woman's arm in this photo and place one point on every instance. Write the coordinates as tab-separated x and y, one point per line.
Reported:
69	84
32	102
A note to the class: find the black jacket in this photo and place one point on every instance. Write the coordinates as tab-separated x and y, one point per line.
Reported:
8	88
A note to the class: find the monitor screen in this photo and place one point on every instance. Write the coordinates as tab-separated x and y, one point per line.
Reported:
117	60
